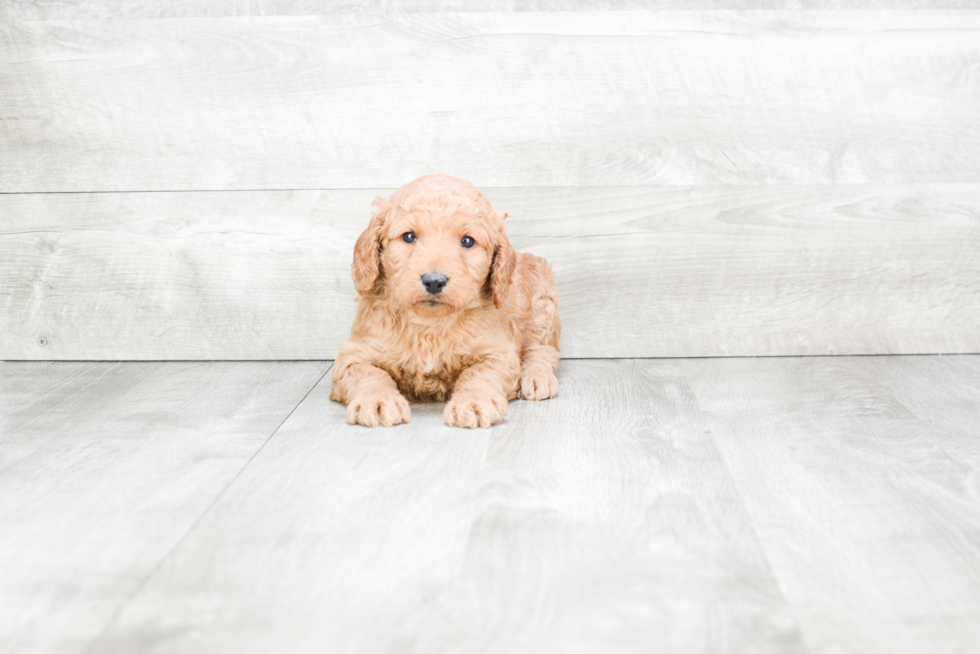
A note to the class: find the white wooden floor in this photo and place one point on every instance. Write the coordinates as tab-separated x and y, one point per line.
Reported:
683	505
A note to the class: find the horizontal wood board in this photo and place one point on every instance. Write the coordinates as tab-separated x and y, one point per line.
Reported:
105	468
115	9
603	520
600	98
642	272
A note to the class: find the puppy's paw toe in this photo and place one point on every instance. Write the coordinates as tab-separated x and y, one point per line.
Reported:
474	411
538	384
385	410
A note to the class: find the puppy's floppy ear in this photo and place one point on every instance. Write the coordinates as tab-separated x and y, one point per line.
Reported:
504	261
367	251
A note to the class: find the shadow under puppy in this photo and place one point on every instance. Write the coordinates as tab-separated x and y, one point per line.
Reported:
446	310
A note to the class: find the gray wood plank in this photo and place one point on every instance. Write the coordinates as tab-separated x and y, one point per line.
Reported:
115	9
104	467
602	520
504	99
642	272
179	276
860	476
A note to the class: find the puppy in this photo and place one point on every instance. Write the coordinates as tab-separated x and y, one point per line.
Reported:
446	310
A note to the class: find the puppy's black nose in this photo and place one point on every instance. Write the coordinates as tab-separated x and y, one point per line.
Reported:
434	282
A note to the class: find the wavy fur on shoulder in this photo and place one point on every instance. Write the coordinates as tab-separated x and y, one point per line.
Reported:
446	310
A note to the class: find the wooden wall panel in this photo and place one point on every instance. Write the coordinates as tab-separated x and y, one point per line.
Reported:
704	182
178	275
642	272
114	9
503	99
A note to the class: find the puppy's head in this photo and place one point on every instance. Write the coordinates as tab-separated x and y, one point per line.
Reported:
437	247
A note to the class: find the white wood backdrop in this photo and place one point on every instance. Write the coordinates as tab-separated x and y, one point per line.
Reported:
704	182
733	270
113	9
502	99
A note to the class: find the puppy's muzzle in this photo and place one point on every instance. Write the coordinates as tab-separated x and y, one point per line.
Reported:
434	282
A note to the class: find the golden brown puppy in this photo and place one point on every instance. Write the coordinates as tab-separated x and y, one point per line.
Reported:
446	310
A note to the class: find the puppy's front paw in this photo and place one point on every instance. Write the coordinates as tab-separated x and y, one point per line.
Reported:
538	384
386	409
472	410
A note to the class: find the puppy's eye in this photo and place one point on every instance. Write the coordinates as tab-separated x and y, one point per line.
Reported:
408	237
468	242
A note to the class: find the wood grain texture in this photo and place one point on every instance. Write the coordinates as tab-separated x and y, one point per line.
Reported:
105	467
642	272
22	10
777	504
603	520
179	276
504	99
861	478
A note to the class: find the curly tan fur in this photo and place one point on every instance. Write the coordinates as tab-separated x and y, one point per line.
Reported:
491	335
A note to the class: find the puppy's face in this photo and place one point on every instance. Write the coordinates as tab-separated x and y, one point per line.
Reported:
437	263
437	247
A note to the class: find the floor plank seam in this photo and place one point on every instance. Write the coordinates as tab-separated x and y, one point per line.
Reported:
156	568
758	541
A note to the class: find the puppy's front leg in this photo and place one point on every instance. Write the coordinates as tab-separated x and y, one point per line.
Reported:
481	392
371	396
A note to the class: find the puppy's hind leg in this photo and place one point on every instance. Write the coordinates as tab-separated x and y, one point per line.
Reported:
538	381
541	349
